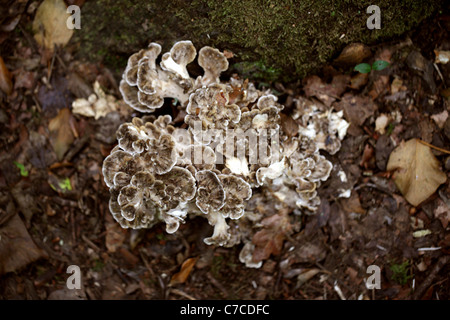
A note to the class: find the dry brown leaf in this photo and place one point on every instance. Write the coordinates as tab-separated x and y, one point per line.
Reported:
356	110
352	204
61	134
442	212
5	78
50	24
306	276
379	86
289	126
440	118
326	92
183	274
270	239
17	249
417	171
359	80
353	54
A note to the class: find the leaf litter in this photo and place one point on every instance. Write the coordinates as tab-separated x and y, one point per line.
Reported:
417	171
303	256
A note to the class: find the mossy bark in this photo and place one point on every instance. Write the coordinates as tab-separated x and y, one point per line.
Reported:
271	40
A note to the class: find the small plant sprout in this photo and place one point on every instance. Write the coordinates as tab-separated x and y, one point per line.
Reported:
21	167
378	65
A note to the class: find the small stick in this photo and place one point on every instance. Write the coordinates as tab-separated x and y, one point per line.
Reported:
427	282
434	147
141	253
90	243
440	74
182	293
49	73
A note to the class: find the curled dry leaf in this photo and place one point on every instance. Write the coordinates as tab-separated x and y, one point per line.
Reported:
5	78
417	171
182	275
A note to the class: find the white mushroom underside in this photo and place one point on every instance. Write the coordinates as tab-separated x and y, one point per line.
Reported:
169	64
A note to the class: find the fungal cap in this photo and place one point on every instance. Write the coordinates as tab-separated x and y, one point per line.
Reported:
213	63
181	54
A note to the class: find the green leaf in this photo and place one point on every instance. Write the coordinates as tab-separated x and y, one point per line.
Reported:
363	68
23	171
65	184
380	65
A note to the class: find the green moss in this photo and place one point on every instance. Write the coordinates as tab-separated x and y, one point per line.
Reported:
282	40
400	273
257	71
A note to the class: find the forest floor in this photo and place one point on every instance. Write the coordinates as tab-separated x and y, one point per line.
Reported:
54	203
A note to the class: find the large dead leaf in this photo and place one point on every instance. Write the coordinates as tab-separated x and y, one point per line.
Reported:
17	249
186	268
417	171
50	24
270	239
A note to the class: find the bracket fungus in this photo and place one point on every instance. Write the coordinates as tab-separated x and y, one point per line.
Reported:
231	149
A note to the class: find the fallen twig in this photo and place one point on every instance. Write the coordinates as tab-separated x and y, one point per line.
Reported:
434	147
427	282
182	293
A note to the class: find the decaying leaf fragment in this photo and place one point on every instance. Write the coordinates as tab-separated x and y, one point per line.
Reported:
97	105
61	135
270	239
17	248
417	171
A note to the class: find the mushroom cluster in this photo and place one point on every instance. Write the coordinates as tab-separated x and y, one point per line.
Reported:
231	147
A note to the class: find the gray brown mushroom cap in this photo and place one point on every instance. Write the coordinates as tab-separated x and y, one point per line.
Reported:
208	109
181	54
231	149
236	191
210	192
144	84
145	184
151	53
213	63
